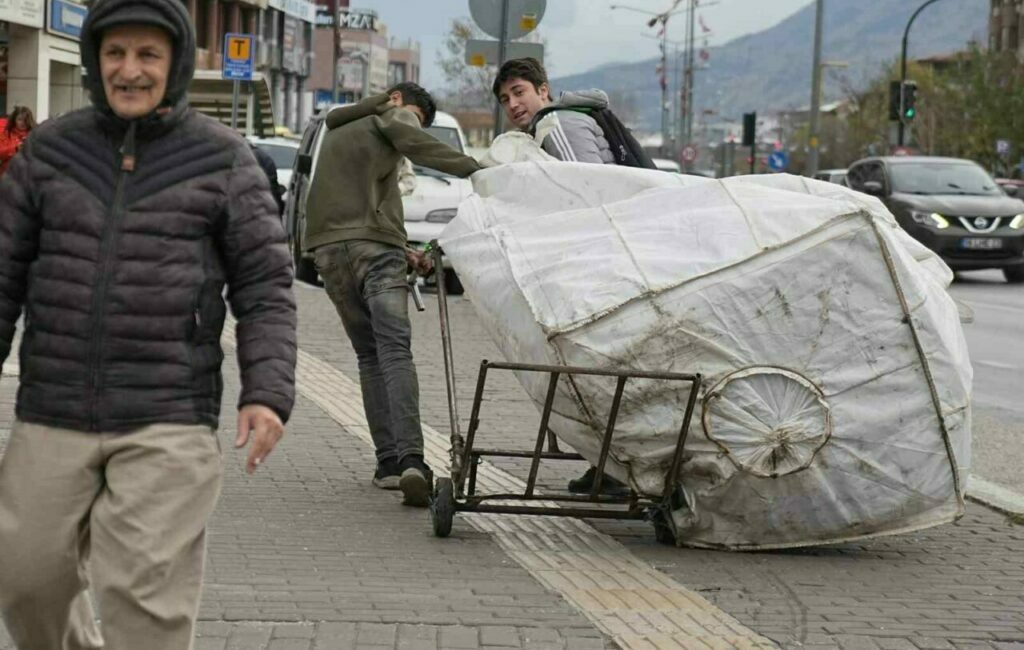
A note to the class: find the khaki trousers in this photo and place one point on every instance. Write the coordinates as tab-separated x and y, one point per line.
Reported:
129	511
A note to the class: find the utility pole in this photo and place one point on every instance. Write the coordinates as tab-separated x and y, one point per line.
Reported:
812	132
690	62
903	71
502	54
664	87
335	11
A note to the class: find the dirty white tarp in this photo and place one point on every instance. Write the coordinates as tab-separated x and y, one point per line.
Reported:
835	402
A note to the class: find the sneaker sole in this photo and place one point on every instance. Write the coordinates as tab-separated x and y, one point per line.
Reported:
386	483
415	488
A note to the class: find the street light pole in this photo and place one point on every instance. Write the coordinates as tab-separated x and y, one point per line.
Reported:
690	63
812	132
903	68
502	53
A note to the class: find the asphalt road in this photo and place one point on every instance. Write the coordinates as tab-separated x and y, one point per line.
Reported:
996	343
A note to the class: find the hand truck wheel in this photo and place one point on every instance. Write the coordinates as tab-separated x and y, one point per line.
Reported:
442	507
663	528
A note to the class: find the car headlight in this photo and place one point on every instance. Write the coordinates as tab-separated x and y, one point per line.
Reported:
933	219
1018	222
441	216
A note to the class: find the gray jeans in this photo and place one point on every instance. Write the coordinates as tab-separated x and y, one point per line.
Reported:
366	282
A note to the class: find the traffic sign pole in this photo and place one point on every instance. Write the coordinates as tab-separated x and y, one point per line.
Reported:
235	95
237	66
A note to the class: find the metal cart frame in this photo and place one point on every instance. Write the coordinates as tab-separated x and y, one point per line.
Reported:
459	493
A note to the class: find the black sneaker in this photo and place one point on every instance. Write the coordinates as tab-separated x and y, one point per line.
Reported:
387	475
416	481
609	486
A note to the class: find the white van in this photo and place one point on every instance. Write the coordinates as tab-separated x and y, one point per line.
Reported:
428	208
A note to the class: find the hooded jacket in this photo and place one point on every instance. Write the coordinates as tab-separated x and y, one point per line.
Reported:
355	192
118	237
571	135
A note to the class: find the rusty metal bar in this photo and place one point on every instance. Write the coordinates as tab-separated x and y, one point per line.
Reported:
672	478
542	432
474	462
474	424
513	453
588	513
573	370
606	443
449	359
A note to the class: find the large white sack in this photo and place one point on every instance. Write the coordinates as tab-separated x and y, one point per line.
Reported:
835	402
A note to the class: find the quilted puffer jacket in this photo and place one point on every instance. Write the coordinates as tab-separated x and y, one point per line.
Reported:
118	238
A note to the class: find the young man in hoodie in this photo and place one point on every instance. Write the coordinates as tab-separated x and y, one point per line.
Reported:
522	89
356	230
122	224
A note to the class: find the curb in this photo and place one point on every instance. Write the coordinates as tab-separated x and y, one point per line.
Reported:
995	496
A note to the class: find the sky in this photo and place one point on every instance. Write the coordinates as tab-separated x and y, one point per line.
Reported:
581	34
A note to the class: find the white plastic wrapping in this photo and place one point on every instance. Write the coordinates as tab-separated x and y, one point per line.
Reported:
835	402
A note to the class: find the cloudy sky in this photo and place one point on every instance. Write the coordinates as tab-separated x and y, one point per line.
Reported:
581	34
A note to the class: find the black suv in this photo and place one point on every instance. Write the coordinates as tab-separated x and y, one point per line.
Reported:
950	205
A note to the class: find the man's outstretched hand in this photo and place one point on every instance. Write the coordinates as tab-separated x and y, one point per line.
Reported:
264	427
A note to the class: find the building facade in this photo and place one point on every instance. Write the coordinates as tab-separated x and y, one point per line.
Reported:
368	62
40	60
1006	27
284	55
39	57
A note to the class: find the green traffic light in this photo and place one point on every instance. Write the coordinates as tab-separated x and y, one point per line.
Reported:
910	113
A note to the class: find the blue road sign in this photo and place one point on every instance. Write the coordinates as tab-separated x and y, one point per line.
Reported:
778	161
239	55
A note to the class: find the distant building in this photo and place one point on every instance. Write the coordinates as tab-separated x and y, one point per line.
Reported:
369	61
1006	27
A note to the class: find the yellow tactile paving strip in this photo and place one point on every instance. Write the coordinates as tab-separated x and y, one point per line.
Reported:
639	607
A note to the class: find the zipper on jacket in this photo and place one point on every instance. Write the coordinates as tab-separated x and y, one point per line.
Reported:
111	227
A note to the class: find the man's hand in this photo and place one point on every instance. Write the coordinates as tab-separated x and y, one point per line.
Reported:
265	428
419	261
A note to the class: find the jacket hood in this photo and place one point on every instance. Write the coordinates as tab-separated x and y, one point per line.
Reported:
169	15
372	105
592	98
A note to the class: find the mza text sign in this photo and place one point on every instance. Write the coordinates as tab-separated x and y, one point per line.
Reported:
239	53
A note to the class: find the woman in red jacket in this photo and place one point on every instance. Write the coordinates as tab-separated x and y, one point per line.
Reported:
19	123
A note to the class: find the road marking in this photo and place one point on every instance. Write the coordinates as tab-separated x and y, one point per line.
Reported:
989	305
638	606
996	364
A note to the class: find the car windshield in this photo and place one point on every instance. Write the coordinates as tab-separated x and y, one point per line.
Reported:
446	135
282	155
942	178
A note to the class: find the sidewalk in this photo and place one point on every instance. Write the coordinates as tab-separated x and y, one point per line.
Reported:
308	555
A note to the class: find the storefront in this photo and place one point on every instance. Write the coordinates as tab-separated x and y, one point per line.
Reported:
43	68
287	35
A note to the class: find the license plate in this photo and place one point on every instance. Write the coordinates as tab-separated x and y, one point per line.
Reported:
981	243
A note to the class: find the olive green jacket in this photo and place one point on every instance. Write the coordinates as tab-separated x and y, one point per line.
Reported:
355	192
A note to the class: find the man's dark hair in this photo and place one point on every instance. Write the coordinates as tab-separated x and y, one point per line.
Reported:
415	95
528	69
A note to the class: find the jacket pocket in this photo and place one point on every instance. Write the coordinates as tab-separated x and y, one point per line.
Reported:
208	313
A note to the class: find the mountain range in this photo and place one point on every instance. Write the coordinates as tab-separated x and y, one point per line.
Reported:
770	70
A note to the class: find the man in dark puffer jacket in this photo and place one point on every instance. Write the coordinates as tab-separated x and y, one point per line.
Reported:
120	225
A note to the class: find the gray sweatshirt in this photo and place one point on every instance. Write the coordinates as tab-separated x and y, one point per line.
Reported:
574	136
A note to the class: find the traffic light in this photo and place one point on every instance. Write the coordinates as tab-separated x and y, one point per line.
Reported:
894	101
749	127
907	106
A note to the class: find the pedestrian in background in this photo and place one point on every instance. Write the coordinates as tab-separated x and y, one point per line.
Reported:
120	225
19	124
356	228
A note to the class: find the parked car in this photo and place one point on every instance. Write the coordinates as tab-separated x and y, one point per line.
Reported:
837	176
428	208
952	206
282	151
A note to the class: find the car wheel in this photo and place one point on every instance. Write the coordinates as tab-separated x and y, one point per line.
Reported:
1014	274
452	284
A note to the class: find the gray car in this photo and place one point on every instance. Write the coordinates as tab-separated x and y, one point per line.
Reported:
950	205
